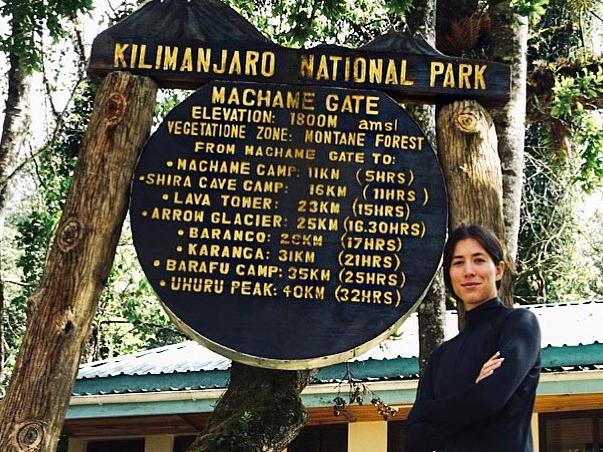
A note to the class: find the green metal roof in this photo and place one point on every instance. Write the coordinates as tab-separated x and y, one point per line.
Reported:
572	342
578	357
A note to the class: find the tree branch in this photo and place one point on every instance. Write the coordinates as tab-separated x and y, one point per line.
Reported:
59	123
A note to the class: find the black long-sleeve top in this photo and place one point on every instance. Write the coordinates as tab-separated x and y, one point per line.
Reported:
452	413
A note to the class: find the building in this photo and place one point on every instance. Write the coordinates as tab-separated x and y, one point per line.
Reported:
157	400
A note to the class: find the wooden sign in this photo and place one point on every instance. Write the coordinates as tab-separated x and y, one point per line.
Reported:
288	226
185	44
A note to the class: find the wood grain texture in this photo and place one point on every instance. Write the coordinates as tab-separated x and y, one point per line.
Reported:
411	83
568	402
467	145
172	424
62	307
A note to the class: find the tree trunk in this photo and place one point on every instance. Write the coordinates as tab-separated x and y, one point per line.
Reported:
62	307
468	155
432	310
260	411
508	44
16	121
432	317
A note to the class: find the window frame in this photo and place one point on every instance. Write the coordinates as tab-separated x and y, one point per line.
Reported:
596	417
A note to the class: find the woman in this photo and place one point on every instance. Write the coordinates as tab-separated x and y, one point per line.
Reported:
478	390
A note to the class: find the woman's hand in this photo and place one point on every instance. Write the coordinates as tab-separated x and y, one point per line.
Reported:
490	366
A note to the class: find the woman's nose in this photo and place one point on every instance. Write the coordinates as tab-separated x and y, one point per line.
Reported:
469	269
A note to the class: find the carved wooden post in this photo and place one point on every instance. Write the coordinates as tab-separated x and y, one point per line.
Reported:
467	146
61	309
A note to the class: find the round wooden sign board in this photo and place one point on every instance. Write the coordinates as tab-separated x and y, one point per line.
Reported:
285	226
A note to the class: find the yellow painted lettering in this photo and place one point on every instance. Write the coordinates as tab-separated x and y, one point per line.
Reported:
235	64
372	105
251	62
171	58
187	60
323	69
306	67
331	102
437	68
218	95
391	77
375	70
133	56
268	64
403	76
449	76
119	59
222	68
234	97
465	71
359	70
203	59
158	56
141	63
335	61
479	82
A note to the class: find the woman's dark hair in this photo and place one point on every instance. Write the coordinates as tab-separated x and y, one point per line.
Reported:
483	236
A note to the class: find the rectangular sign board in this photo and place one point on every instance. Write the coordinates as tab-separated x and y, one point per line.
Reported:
405	76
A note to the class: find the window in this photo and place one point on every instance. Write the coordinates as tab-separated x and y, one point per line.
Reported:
116	445
571	432
322	438
182	442
395	436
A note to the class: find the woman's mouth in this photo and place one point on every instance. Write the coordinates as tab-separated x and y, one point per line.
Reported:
470	285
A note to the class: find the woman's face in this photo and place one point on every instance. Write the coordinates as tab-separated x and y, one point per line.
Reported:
473	274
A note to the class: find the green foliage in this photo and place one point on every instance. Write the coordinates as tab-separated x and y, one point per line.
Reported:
571	94
52	171
532	9
398	7
588	137
168	99
129	316
30	20
563	154
309	23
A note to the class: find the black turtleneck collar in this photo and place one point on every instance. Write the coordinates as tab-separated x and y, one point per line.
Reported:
484	312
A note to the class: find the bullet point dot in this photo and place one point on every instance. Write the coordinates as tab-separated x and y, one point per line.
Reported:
169	163
156	263
144	213
140	177
165	196
180	232
179	249
162	283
